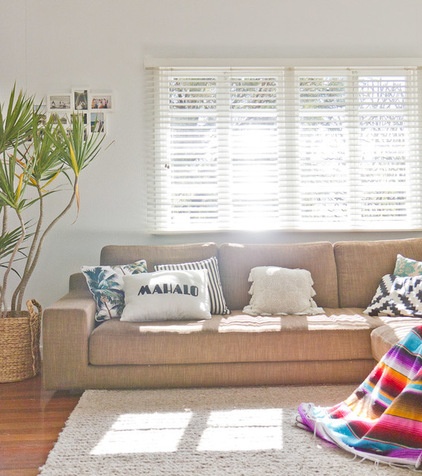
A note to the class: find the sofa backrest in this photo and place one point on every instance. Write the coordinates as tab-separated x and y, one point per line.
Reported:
236	261
362	264
157	254
153	254
345	274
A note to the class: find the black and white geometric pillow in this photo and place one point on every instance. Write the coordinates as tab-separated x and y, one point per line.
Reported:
397	296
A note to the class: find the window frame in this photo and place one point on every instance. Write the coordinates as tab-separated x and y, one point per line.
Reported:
155	166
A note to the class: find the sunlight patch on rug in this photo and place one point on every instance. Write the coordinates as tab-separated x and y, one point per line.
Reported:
243	430
144	433
236	430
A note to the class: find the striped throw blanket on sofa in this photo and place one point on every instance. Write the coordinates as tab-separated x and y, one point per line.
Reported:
382	419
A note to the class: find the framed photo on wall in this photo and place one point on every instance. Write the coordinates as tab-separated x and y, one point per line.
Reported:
101	102
80	99
63	117
59	102
97	121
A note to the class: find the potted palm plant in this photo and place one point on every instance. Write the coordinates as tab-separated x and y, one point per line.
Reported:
35	155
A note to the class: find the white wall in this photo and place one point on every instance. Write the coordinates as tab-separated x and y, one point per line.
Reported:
50	46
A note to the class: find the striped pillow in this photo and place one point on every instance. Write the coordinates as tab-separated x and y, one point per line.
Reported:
215	290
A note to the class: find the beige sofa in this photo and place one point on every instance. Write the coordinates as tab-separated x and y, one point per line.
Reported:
339	346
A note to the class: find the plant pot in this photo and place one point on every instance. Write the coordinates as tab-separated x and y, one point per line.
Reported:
20	344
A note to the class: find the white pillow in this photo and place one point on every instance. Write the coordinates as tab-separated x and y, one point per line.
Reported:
281	291
166	295
217	301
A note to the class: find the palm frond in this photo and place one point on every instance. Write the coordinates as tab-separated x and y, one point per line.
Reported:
77	150
16	125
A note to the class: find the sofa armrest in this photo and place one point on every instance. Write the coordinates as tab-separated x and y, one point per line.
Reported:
67	325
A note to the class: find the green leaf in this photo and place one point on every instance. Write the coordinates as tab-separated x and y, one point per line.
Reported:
76	150
16	125
8	242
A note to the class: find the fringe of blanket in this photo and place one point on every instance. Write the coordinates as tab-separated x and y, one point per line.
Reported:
307	421
382	420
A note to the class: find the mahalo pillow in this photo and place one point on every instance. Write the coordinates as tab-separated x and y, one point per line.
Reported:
166	295
215	290
407	267
397	296
106	286
281	291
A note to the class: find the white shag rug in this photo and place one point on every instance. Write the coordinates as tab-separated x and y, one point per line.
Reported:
201	432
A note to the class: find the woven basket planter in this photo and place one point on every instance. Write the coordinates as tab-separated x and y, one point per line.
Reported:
20	344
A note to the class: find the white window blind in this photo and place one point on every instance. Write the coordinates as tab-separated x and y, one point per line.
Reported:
292	148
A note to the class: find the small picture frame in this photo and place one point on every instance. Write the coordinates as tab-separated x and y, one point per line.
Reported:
80	99
41	109
59	116
59	102
84	115
97	123
101	102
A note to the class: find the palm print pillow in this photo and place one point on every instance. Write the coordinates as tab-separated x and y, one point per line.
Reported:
106	286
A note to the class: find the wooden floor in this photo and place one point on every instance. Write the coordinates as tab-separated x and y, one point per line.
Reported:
30	422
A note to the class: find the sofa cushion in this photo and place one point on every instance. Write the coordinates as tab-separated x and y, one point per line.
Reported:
407	266
106	286
362	264
276	290
166	295
236	261
339	334
217	301
384	337
397	296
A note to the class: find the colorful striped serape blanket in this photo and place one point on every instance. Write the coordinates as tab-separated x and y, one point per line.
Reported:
382	420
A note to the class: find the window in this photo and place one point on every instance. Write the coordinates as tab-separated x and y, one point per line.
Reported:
291	148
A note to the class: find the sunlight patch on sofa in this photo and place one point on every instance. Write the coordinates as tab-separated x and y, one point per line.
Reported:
144	433
243	430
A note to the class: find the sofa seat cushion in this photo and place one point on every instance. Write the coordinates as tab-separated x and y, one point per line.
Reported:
393	330
339	334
